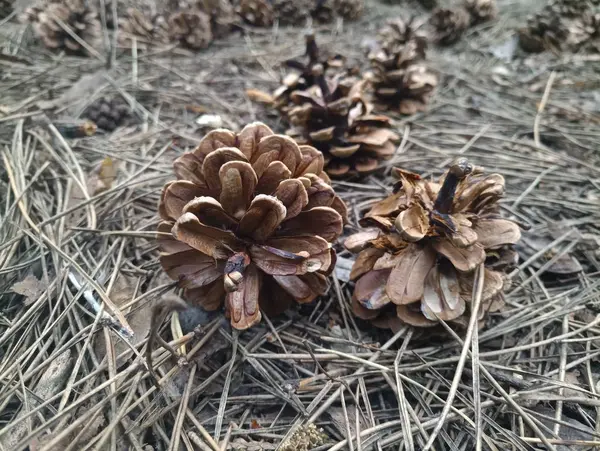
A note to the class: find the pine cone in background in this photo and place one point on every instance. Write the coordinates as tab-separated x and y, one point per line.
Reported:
108	113
77	15
481	10
449	24
148	29
249	223
560	25
222	16
190	28
292	12
6	8
399	78
418	265
349	9
302	75
256	12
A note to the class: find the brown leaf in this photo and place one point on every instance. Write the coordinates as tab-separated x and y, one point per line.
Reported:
256	95
30	287
321	221
496	232
238	183
293	195
464	259
263	217
242	304
407	280
412	223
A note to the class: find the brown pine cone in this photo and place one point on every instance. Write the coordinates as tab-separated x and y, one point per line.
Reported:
257	12
77	15
108	113
292	12
399	78
222	16
349	9
249	223
449	24
481	10
6	7
190	28
418	265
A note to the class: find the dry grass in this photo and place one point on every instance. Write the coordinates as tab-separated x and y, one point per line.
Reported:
72	375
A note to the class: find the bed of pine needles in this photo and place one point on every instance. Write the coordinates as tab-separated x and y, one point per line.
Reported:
73	376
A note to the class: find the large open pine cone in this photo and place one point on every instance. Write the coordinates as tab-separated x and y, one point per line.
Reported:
481	10
399	78
419	264
449	24
249	223
77	15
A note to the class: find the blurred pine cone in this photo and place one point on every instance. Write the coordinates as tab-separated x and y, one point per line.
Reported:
147	29
108	113
292	12
481	10
77	15
191	28
249	223
419	264
399	78
222	16
6	7
325	11
449	24
257	12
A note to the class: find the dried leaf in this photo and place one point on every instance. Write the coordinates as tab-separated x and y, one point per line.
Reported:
31	288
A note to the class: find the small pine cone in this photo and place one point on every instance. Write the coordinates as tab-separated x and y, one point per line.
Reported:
292	12
108	114
190	28
569	8
349	9
418	265
305	438
257	12
222	16
77	15
544	30
6	8
449	24
481	10
249	223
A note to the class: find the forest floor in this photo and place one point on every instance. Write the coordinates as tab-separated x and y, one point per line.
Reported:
71	380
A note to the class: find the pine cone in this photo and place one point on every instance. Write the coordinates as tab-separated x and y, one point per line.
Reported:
191	28
418	266
481	10
249	223
569	8
107	113
257	12
77	15
449	24
292	12
6	7
349	9
399	80
222	16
